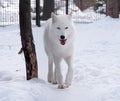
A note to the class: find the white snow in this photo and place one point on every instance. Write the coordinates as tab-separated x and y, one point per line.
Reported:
96	65
96	59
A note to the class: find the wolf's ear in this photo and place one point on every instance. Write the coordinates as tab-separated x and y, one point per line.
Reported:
54	17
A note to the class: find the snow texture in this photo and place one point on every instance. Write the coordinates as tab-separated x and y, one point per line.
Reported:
96	65
96	60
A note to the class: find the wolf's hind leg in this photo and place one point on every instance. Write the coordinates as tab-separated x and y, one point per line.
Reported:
55	77
69	75
59	77
50	70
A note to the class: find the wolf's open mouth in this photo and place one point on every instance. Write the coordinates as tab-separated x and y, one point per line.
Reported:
63	41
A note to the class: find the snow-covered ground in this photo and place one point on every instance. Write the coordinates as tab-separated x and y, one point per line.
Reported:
96	65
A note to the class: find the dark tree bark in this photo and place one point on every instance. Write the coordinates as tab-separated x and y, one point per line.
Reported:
79	4
67	4
119	5
112	8
48	7
28	46
38	13
84	4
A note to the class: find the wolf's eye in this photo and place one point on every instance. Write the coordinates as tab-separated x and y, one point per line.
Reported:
58	28
66	27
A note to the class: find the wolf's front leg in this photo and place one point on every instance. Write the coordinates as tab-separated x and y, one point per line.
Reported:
69	75
58	73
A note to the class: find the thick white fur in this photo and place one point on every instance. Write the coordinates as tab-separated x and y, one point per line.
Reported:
56	52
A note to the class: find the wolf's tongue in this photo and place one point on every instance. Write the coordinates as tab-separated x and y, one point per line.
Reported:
62	42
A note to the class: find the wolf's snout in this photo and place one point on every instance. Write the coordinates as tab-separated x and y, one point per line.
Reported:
62	37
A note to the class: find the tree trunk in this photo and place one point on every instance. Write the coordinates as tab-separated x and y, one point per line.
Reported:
119	5
48	7
84	4
28	46
112	8
79	4
38	13
67	4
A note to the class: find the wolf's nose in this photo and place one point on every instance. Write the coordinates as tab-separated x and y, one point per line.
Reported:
62	37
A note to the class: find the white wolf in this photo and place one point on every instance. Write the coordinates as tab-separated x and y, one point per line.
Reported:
59	44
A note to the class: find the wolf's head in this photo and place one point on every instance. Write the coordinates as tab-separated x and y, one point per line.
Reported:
62	29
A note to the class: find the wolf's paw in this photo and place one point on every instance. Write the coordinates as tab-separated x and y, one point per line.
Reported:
54	82
61	86
49	81
67	85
